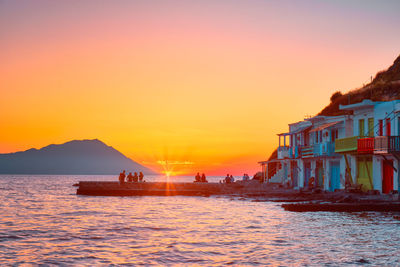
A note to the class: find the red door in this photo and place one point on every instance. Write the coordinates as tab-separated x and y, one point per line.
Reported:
388	127
387	182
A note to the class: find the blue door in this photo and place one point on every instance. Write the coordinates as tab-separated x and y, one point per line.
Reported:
335	176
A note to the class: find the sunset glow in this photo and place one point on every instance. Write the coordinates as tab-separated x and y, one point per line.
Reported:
182	86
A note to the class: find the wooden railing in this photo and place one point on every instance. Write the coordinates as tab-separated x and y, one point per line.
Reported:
381	145
365	145
307	151
348	144
386	144
394	144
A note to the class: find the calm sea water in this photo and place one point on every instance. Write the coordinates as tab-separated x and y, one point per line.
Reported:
42	221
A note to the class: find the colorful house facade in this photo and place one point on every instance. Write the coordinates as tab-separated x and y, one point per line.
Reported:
372	152
306	153
361	150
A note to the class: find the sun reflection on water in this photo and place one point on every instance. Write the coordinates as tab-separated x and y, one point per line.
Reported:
43	222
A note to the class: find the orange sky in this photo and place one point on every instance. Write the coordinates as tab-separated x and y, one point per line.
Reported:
205	83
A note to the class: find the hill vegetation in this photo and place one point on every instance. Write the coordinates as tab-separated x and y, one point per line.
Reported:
384	87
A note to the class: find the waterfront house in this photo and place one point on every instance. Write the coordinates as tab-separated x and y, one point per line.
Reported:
306	151
359	150
371	152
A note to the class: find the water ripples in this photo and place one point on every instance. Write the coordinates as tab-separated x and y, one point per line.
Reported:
42	221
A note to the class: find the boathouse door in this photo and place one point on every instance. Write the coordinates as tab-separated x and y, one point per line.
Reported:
319	172
335	176
307	173
364	172
294	173
387	181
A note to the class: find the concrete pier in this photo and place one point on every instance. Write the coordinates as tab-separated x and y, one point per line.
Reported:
96	188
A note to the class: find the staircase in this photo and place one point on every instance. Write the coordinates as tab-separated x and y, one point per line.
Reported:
277	177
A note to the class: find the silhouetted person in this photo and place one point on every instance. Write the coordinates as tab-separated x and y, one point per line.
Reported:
135	177
129	178
232	179
141	176
203	178
122	177
197	178
227	179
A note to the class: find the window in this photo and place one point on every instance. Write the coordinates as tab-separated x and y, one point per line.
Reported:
361	128
388	127
320	136
316	137
371	127
380	133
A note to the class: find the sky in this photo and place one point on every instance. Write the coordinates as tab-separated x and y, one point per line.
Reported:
200	86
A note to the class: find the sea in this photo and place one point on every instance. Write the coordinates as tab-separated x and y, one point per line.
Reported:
43	222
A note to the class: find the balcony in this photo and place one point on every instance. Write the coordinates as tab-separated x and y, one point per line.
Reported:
381	145
394	144
307	151
283	152
386	144
365	145
324	149
346	145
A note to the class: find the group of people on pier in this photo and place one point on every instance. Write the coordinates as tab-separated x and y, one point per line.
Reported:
246	177
200	179
229	179
130	178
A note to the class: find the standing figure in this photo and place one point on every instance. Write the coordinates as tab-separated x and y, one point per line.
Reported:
141	177
122	177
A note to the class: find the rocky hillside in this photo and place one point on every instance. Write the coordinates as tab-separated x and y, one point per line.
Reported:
384	87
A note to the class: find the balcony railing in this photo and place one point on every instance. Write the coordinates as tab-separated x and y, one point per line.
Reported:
365	145
394	144
283	152
346	145
381	145
307	151
386	144
324	149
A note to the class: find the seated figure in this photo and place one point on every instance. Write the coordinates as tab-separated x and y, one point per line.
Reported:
135	177
197	178
129	177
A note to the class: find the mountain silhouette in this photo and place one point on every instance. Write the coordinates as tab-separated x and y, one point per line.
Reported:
74	157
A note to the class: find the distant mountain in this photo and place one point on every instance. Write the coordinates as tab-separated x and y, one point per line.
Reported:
384	87
74	157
